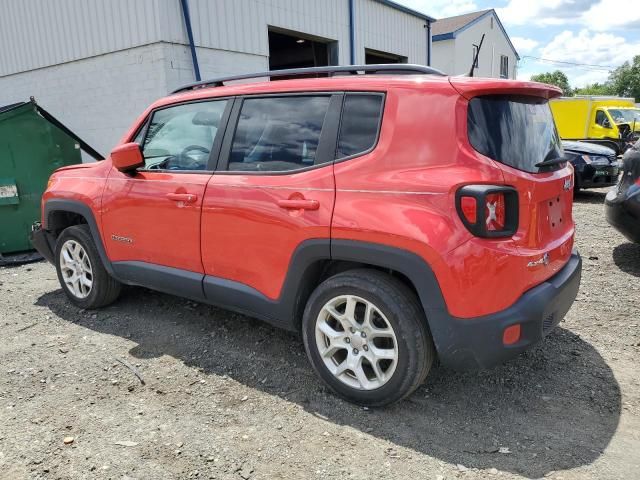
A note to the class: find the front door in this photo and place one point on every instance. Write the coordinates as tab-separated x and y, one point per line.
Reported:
153	215
274	189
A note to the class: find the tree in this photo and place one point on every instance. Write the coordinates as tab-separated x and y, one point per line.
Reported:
625	80
596	89
556	78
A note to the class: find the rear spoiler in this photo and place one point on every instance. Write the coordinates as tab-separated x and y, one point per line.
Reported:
472	87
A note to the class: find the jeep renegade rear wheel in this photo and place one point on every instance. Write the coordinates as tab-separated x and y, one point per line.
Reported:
366	336
80	271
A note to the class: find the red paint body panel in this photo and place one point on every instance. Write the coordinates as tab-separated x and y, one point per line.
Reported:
162	230
401	194
248	238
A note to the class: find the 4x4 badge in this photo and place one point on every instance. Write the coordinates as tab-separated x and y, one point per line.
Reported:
567	183
543	261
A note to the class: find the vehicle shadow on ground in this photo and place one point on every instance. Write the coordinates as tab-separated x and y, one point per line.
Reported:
554	408
590	196
627	257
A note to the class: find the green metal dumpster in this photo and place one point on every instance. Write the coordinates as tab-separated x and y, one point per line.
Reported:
32	145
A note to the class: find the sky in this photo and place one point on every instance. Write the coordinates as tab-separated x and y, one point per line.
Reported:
600	33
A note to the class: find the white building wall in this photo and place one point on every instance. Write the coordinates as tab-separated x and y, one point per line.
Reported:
380	27
97	64
455	56
98	97
495	44
442	55
39	33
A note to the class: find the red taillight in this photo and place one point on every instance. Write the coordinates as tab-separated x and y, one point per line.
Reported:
488	210
511	334
495	212
469	208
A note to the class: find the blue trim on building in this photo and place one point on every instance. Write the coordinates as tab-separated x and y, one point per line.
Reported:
192	45
352	32
454	34
443	36
404	9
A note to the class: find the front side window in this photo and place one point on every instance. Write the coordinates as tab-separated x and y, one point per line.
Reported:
516	130
601	119
181	137
278	133
359	125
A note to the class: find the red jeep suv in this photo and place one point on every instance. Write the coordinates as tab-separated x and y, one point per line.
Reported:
391	214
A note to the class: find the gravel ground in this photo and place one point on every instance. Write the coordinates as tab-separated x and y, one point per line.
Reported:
225	396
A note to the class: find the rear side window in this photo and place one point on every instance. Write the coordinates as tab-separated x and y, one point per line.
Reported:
278	133
360	122
518	131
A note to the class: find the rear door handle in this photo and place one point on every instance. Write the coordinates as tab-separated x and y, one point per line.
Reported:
299	204
182	197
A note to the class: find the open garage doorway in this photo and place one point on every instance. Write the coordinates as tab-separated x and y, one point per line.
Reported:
289	49
373	57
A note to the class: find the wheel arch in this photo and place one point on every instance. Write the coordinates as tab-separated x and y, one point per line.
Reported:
409	267
59	214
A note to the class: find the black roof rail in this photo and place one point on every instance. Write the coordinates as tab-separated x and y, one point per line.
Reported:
389	69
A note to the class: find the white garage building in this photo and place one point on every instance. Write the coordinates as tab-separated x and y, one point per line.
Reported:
97	64
455	40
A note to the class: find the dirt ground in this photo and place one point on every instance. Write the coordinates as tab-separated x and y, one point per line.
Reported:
228	397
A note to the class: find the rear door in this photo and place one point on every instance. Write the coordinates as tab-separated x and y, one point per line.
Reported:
153	215
274	188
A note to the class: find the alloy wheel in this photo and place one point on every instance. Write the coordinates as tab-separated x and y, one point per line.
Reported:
356	342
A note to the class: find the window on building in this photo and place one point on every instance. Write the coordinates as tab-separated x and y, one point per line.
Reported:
181	137
375	57
504	66
278	133
360	123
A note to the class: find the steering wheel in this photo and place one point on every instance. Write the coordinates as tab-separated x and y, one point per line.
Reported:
185	161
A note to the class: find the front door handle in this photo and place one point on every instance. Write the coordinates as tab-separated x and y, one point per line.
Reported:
182	197
299	204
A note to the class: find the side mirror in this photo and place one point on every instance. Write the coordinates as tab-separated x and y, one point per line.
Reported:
606	123
127	157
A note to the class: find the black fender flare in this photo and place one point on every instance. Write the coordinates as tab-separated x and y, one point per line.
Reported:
412	266
79	208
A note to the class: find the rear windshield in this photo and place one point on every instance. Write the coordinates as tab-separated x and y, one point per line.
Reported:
515	130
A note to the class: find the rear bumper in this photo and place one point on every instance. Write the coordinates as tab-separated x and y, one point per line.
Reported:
596	177
477	342
43	242
624	213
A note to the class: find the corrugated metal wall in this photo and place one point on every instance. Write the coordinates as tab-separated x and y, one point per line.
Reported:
386	29
40	33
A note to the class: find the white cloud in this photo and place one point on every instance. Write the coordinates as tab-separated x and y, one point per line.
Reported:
590	48
610	14
601	15
442	8
582	47
524	45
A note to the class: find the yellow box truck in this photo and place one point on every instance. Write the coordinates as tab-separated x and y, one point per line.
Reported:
611	121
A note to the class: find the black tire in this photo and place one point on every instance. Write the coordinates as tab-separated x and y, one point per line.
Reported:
105	289
400	306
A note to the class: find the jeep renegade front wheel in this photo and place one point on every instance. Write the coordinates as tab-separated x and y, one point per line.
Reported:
80	271
366	336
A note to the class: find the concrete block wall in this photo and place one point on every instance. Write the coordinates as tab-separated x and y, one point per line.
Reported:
98	97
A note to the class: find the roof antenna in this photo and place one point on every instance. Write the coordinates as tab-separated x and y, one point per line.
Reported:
475	57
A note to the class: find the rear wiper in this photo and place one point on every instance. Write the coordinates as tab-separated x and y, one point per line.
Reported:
553	161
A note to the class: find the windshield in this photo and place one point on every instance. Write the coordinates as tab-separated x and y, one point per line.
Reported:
516	130
625	115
